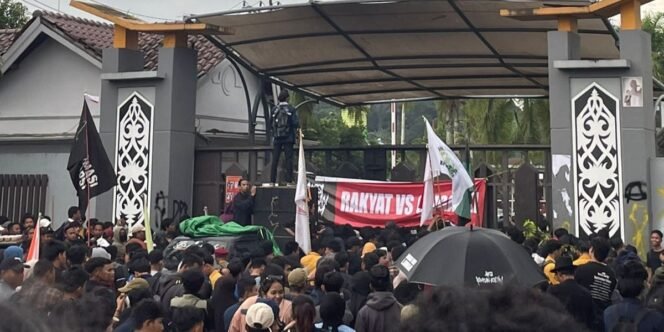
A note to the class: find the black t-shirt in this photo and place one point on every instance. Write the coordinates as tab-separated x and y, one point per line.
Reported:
599	279
652	260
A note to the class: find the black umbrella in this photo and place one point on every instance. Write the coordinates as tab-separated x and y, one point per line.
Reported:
461	256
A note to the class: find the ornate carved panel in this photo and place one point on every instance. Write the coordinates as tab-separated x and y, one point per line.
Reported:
597	162
133	159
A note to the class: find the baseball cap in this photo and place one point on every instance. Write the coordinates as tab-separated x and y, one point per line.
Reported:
221	251
13	263
260	316
136	283
13	252
137	228
297	277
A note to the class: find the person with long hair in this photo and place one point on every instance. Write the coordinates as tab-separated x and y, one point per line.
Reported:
304	313
332	309
271	288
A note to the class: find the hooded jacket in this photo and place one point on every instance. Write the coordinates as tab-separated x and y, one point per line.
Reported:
381	314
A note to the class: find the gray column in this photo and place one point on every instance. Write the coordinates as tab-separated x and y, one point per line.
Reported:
113	61
174	130
562	46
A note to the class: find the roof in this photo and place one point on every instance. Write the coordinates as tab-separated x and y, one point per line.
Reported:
93	36
354	52
6	39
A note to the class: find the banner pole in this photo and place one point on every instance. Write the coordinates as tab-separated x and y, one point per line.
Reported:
87	156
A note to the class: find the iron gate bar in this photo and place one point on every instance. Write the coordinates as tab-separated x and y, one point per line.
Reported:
476	87
399	31
478	147
488	45
320	12
423	78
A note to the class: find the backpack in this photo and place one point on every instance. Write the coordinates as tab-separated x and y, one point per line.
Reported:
655	298
281	121
626	324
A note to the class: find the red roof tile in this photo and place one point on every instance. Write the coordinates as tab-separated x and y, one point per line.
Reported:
6	39
95	36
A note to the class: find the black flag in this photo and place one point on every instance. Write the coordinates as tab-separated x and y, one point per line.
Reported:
89	168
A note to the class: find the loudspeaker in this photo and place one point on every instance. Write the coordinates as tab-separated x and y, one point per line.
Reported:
274	209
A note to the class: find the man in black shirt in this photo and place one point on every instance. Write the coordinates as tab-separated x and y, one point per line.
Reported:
598	278
243	203
653	261
576	299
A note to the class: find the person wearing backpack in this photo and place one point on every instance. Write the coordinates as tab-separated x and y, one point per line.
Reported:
284	126
630	314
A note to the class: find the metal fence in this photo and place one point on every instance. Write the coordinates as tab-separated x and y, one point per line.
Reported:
518	176
20	194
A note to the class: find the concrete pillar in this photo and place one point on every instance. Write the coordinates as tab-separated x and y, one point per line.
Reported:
148	128
602	140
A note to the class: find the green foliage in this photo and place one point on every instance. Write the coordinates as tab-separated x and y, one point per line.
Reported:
530	230
13	15
653	23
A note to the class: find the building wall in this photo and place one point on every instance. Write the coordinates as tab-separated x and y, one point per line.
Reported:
220	100
43	95
48	159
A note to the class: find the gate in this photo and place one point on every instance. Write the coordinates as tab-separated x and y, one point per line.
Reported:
20	194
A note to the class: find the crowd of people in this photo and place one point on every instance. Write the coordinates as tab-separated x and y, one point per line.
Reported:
102	278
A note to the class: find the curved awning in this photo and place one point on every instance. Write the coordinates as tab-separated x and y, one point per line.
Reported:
358	52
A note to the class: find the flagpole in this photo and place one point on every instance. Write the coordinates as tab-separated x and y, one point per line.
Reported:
87	185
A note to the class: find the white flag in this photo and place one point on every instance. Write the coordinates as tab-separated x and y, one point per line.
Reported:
302	236
427	197
442	160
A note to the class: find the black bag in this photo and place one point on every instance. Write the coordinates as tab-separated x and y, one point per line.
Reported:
626	324
281	121
655	298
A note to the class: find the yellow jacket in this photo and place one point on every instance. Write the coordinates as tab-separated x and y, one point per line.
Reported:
583	259
309	261
550	264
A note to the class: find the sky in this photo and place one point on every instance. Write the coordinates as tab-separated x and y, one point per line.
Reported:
163	10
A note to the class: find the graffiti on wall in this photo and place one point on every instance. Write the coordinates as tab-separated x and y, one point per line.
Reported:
638	217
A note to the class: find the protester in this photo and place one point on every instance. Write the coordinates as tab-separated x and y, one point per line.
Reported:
37	292
297	283
243	203
188	319
304	313
56	253
192	280
598	278
576	299
73	281
102	274
11	277
332	309
271	288
382	311
630	314
583	247
551	251
496	309
260	318
148	317
138	235
247	288
285	123
656	248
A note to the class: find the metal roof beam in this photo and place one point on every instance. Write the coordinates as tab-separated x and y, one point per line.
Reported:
486	42
397	67
422	78
477	87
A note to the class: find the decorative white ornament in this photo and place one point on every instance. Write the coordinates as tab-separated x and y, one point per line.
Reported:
133	159
597	161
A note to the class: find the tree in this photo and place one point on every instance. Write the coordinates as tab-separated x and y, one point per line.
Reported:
654	24
13	15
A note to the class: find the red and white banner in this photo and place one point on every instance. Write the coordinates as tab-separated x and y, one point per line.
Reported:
232	187
371	203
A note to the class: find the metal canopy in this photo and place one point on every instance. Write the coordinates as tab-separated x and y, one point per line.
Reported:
351	53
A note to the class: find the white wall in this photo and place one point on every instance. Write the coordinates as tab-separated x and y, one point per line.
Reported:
44	93
220	101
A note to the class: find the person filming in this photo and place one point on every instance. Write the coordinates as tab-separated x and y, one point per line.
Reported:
284	126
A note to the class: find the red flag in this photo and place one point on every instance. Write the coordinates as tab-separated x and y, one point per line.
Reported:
33	252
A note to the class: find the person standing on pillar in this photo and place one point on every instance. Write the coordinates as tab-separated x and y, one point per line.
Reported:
284	126
243	203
